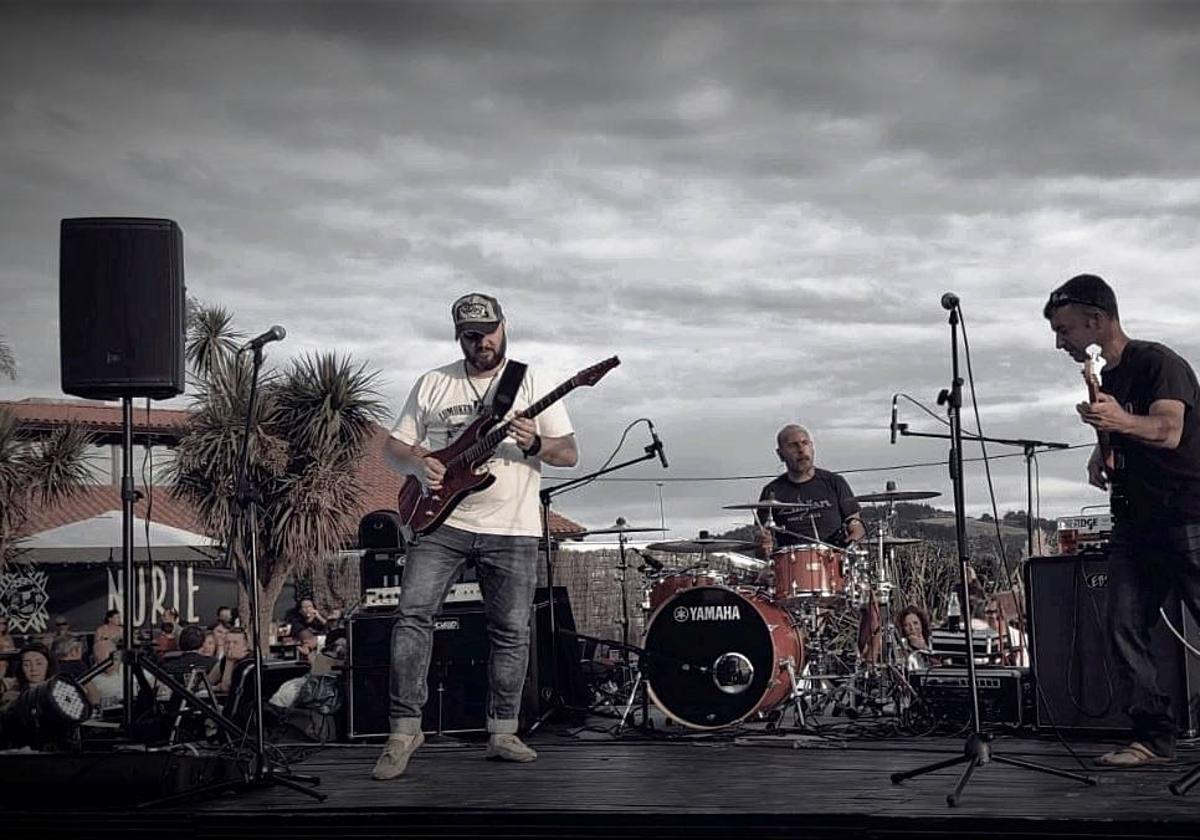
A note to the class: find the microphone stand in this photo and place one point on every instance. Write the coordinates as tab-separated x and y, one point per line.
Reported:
977	749
545	495
248	496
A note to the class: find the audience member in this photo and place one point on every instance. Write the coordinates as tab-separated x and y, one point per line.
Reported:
35	665
7	646
69	656
225	617
59	631
106	689
307	616
237	649
112	629
166	638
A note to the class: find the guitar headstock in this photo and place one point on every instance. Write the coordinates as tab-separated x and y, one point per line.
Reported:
1092	365
593	374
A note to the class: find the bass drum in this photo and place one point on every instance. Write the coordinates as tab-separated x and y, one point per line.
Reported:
715	655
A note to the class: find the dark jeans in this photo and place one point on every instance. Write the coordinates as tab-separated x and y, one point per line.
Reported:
1145	563
507	569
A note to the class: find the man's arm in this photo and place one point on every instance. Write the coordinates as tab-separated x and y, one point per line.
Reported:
558	451
1161	428
414	459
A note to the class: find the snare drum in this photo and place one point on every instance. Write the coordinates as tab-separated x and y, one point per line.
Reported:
716	656
808	571
668	585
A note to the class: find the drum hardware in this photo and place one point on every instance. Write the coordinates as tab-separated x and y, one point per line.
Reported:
893	495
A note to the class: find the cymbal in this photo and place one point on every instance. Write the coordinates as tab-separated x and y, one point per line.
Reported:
898	496
889	542
619	529
702	545
765	504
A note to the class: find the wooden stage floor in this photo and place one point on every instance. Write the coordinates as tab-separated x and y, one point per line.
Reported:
588	783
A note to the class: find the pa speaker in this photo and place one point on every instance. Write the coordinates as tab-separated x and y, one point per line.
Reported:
121	308
1068	622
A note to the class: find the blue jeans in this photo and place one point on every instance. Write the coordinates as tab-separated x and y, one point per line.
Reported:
1146	562
507	569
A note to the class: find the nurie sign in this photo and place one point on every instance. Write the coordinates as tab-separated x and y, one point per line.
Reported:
30	595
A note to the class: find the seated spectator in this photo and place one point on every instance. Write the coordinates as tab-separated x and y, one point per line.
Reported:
60	631
106	689
166	638
307	616
69	656
306	644
35	665
225	617
220	637
209	648
7	646
112	629
237	649
187	659
913	625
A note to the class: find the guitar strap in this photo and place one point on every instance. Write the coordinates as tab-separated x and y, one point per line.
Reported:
506	389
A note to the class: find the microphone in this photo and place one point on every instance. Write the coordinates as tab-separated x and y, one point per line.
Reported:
894	398
949	301
657	445
276	333
649	558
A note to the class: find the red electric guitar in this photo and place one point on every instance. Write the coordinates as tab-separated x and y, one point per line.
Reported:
1114	463
422	510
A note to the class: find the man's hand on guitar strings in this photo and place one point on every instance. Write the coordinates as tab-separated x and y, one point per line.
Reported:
1105	414
435	471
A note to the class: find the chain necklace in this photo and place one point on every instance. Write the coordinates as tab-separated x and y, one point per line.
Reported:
491	381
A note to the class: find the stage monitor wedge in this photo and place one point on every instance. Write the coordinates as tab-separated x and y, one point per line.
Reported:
121	308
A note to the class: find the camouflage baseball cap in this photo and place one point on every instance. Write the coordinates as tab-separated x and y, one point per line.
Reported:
476	313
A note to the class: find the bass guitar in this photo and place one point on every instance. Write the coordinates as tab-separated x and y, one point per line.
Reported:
1114	462
422	510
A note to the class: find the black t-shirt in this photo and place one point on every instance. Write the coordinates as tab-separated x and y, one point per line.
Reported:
1161	484
827	501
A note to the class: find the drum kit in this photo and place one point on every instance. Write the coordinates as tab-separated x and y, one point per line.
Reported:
725	647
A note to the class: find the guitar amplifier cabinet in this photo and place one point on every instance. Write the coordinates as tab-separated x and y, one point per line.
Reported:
457	680
1005	694
1068	622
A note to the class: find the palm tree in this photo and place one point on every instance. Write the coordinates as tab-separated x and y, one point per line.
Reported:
36	471
8	362
311	424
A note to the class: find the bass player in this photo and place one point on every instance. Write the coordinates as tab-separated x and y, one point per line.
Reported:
1148	456
497	528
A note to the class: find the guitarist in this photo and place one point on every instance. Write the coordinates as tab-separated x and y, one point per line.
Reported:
497	528
1147	409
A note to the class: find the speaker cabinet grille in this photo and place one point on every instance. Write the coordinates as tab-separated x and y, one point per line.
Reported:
1068	613
121	308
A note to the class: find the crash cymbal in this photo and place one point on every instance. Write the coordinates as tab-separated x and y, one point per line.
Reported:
619	529
889	542
765	504
898	496
702	545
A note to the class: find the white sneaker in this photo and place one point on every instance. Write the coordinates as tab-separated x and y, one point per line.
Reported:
396	752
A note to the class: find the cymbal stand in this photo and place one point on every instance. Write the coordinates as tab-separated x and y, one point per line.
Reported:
546	494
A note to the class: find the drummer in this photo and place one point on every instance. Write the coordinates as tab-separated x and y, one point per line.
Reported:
825	510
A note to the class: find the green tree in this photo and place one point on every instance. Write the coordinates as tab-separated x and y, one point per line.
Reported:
312	422
36	471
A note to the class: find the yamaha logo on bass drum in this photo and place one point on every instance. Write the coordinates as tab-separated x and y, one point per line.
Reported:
723	612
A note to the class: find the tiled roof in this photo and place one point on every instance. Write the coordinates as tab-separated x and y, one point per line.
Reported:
88	502
90	414
380	482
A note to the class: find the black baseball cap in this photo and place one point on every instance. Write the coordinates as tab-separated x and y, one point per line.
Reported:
1085	289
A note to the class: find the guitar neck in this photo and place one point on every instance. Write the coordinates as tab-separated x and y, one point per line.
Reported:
487	444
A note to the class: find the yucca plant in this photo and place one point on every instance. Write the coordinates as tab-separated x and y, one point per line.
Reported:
311	423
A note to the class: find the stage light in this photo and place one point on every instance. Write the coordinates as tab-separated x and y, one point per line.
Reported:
45	714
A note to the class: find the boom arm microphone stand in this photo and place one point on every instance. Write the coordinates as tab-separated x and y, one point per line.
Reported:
652	450
977	750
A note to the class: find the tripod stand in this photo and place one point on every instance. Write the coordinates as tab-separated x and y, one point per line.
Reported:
554	693
977	750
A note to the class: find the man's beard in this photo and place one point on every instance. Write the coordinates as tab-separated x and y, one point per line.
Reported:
475	357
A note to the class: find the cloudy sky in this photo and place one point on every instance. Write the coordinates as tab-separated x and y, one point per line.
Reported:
756	206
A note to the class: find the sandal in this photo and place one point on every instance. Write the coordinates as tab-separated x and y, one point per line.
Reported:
1134	755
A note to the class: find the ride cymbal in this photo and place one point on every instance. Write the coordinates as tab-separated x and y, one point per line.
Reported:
765	504
618	529
898	496
701	546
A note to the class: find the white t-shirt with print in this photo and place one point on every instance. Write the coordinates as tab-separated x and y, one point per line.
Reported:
440	407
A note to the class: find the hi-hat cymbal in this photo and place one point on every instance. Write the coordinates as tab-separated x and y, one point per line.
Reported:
898	496
618	529
702	545
765	504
